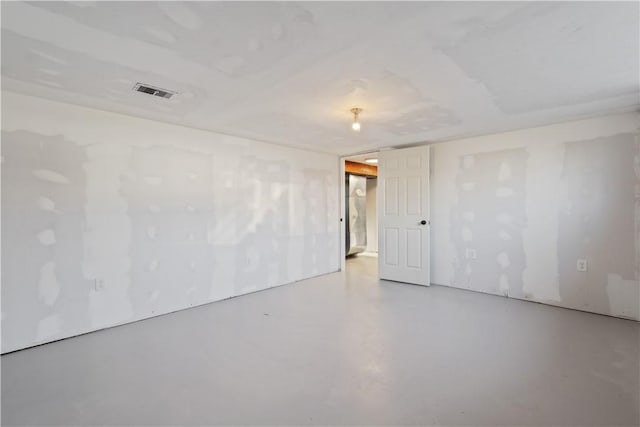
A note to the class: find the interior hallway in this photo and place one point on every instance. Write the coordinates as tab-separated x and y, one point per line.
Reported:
343	348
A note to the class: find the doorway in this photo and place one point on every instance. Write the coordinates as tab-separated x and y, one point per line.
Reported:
402	240
360	241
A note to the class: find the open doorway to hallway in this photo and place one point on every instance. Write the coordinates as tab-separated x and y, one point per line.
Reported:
361	219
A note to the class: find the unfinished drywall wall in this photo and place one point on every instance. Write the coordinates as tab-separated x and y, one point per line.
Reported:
109	219
513	213
490	235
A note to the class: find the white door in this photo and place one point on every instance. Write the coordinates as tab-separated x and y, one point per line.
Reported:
403	215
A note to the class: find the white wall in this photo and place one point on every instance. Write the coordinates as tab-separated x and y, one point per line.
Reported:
108	219
531	202
372	215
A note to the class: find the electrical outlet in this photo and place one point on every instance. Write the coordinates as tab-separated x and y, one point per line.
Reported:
470	253
581	265
98	285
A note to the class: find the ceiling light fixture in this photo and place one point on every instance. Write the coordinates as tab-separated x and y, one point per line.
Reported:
356	124
372	161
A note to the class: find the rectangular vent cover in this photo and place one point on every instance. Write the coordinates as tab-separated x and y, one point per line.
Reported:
155	91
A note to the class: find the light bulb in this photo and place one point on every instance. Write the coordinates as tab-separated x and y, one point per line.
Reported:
356	124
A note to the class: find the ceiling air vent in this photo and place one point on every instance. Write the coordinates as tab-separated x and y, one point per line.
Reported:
155	91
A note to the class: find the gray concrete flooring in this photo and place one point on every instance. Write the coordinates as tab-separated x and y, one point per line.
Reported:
340	349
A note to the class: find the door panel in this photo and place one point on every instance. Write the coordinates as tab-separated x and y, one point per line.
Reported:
414	248
392	245
391	196
403	178
414	204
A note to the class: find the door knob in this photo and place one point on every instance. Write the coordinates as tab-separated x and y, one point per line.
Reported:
423	222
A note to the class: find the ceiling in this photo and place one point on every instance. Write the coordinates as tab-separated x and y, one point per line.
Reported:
290	72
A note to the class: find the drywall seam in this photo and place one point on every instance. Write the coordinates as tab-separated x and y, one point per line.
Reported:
107	235
543	190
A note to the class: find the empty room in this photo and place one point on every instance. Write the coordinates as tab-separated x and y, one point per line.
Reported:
320	213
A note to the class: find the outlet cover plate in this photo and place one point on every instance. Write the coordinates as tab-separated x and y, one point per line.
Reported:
581	265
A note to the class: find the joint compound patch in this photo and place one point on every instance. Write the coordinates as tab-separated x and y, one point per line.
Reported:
48	327
48	286
51	176
47	237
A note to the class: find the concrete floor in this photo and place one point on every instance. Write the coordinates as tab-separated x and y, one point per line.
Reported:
340	349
